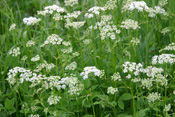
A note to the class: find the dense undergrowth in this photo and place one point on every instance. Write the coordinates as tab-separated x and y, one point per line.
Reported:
87	58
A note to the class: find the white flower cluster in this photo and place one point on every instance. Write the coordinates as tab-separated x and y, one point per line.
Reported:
94	10
87	41
112	90
160	79
156	10
76	25
151	71
75	54
51	9
25	74
15	52
71	66
12	27
57	17
74	85
163	58
70	2
147	83
139	5
142	6
152	97
24	58
116	77
133	67
30	43
130	24
162	3
72	15
35	58
110	4
44	65
88	70
31	20
167	108
67	50
53	99
32	115
106	27
135	41
52	82
169	47
53	39
66	43
165	30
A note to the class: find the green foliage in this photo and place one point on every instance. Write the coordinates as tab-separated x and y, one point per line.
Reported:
78	76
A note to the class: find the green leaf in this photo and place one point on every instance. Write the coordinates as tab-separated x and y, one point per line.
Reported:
141	113
121	104
124	115
126	96
86	103
9	103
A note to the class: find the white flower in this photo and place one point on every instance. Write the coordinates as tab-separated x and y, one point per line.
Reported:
152	97
163	58
162	3
53	99
70	2
165	30
88	70
71	66
12	27
87	41
130	24
167	108
44	65
35	58
31	20
135	41
57	17
169	47
30	43
36	115
24	58
94	10
139	5
52	39
147	83
110	4
54	7
112	90
116	77
75	25
15	52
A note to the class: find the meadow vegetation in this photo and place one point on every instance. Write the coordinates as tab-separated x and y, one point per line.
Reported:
87	58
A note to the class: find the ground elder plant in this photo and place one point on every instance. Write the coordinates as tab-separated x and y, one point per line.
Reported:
87	58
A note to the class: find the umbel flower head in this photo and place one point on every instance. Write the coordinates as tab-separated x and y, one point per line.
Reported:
31	20
53	39
130	24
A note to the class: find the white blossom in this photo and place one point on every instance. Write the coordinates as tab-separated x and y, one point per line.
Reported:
15	52
31	20
12	27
